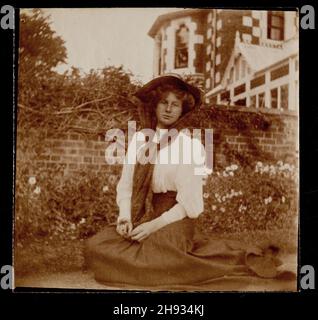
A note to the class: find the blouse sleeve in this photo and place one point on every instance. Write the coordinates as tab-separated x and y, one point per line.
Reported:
176	213
124	191
189	182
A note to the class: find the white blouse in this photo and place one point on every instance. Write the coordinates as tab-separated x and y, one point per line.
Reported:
181	172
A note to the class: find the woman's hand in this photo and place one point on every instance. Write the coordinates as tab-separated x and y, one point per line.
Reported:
144	230
124	227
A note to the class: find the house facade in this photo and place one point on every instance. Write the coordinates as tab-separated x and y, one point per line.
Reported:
240	57
179	43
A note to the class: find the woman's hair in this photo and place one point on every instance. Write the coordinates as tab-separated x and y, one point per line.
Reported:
160	92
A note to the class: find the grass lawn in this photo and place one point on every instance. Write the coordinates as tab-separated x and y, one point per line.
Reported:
47	256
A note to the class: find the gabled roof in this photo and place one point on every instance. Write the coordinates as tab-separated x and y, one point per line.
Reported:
260	57
169	16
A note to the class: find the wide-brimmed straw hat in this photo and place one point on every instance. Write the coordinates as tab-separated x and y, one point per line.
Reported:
176	81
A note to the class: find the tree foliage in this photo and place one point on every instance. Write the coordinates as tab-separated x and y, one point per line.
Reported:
40	49
50	102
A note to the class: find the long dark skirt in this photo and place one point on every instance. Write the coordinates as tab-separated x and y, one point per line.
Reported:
178	258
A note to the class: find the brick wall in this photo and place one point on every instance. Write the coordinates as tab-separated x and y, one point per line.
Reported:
277	141
74	151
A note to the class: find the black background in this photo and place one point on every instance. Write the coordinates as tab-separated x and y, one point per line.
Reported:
70	303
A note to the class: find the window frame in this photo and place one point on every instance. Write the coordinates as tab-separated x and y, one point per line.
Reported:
259	100
179	48
272	98
274	27
287	96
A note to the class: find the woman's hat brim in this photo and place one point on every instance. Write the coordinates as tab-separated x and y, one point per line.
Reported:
143	92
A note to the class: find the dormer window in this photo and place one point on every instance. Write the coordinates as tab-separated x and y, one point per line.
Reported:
182	47
275	25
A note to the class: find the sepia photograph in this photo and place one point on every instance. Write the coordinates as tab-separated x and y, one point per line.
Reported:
157	149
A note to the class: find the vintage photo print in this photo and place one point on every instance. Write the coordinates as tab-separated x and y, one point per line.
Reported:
157	149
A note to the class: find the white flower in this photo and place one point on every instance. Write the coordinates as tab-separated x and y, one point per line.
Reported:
266	168
223	198
240	193
289	167
228	169
234	167
268	200
231	173
216	195
73	226
225	174
280	163
222	209
32	181
213	207
37	190
259	164
205	195
283	199
105	188
83	220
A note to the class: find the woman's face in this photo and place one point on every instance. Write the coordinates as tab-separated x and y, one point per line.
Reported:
168	110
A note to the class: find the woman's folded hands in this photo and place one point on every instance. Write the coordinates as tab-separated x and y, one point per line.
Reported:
124	227
141	232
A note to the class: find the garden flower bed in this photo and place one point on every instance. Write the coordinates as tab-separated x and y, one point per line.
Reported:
56	213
